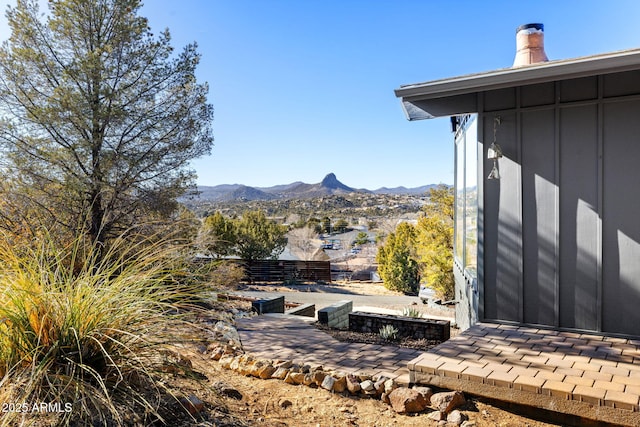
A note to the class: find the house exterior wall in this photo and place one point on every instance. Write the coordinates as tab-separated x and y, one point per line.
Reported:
559	233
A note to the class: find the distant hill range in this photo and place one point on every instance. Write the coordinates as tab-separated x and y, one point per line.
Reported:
296	190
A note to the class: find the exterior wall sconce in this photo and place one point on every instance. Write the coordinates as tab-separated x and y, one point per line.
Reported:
494	152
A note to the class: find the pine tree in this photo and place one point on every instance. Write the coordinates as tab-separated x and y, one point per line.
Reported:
99	118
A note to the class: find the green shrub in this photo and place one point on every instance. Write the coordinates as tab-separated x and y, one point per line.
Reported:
87	332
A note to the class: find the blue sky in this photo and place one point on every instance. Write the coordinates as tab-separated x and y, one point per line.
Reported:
302	88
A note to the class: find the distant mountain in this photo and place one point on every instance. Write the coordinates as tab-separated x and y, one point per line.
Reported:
405	190
244	192
296	190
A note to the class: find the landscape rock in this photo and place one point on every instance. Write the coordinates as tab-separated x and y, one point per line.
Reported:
436	416
456	417
192	404
308	379
284	365
226	390
318	377
226	360
379	384
367	386
266	372
280	373
328	383
447	401
425	391
295	378
353	384
405	400
285	403
390	385
340	385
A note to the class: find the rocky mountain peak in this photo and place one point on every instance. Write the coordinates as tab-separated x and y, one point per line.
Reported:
331	182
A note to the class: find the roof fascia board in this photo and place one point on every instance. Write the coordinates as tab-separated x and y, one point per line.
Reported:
509	77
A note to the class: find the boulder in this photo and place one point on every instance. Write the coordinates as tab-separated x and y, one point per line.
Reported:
318	377
280	373
425	391
405	400
353	384
294	378
447	401
367	386
340	385
266	372
456	417
328	383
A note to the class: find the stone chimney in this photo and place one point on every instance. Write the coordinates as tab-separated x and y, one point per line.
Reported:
529	45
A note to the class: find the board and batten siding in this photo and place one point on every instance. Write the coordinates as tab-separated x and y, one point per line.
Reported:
560	240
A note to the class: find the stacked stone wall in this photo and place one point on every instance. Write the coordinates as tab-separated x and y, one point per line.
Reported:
438	330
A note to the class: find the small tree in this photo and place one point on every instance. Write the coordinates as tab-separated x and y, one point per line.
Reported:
99	119
252	237
218	235
434	243
362	238
340	226
397	265
258	238
326	224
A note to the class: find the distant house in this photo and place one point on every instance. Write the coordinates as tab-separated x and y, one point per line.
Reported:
551	236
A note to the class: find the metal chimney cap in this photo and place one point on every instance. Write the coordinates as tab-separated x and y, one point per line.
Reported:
539	27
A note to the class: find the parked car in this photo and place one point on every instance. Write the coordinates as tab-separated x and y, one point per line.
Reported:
425	294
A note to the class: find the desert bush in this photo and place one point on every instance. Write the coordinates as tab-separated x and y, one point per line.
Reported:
88	335
226	275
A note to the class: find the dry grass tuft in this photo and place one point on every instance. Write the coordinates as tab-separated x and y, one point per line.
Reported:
82	331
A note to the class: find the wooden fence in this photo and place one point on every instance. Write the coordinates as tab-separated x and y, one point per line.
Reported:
280	271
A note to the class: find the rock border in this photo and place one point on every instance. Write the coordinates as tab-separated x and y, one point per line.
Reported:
402	400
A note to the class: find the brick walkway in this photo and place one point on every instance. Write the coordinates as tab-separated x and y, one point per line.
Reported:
587	375
283	337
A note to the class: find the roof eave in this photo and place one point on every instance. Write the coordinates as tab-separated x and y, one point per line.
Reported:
511	77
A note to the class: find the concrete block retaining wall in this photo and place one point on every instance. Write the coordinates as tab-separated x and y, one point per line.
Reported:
272	305
306	310
336	315
430	329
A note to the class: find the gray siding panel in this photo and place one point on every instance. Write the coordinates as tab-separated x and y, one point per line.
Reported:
540	94
621	214
579	89
502	241
579	233
539	217
622	84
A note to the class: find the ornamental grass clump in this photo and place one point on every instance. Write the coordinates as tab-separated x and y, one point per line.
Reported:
82	332
411	312
389	333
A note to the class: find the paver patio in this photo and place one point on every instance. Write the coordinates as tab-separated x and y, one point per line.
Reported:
583	374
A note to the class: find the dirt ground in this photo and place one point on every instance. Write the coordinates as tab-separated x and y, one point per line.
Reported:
275	403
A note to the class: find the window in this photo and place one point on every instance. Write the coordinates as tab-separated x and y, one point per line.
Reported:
466	194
